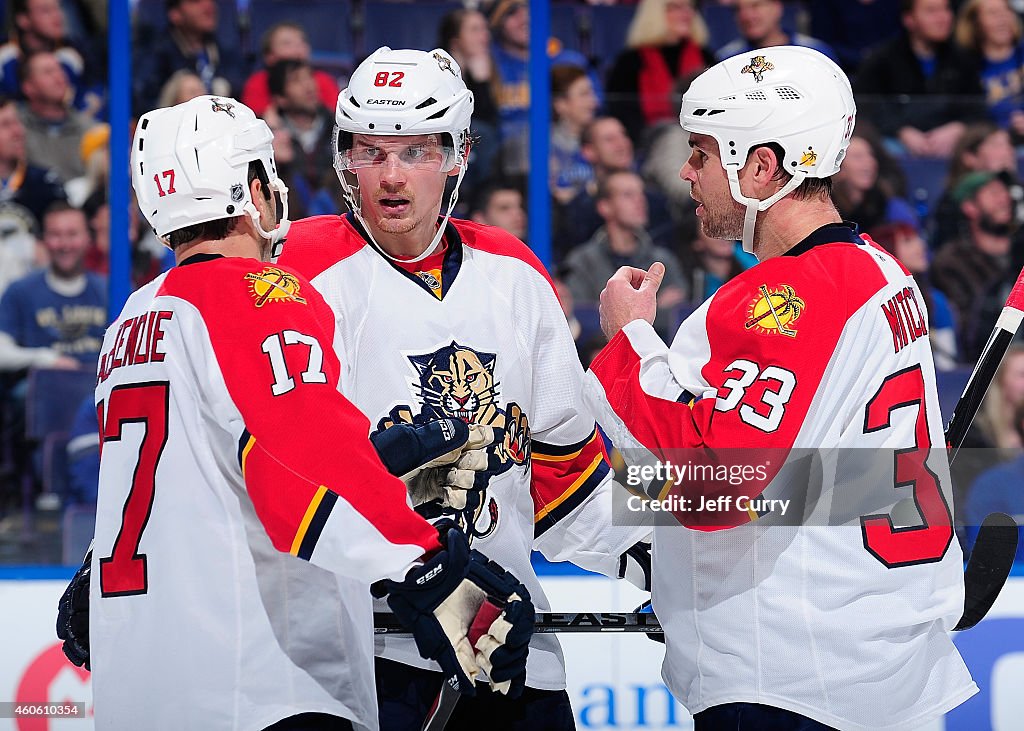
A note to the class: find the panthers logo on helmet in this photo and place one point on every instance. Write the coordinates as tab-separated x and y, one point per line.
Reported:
274	285
222	106
445	63
757	66
809	157
774	311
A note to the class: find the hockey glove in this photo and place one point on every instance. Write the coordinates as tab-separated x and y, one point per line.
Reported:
503	648
440	601
635	565
73	616
438	460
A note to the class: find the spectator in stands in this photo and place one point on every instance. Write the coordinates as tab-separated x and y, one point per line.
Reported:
1005	396
982	147
974	271
621	241
464	34
309	123
998	489
760	25
666	47
188	43
861	191
992	31
510	26
919	88
181	87
501	204
285	41
51	318
573	104
53	131
708	264
853	28
606	146
39	26
26	190
55	317
903	240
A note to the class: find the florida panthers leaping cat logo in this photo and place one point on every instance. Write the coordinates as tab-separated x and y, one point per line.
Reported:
458	382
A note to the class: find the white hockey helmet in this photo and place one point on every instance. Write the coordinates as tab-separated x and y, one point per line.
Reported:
794	96
190	165
405	92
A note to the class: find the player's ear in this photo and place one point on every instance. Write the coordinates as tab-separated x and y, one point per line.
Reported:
256	189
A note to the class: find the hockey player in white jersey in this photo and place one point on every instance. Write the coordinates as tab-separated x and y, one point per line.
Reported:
839	618
445	318
242	513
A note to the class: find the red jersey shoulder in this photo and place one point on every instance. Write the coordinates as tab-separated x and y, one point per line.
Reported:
498	241
836	279
240	290
316	244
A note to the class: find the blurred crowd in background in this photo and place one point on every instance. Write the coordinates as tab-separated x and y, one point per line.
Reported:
932	174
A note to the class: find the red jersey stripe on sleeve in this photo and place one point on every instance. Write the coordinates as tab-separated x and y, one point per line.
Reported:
564	477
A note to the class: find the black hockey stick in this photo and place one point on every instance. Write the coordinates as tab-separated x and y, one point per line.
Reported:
549	622
985	370
996	544
990	563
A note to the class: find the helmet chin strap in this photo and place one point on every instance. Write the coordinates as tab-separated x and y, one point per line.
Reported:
275	236
754	205
352	198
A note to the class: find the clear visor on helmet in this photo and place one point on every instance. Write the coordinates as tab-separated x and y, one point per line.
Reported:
422	152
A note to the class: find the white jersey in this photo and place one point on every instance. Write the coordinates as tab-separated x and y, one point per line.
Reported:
477	334
235	544
831	611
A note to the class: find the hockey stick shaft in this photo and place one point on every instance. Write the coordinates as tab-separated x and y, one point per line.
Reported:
549	622
984	372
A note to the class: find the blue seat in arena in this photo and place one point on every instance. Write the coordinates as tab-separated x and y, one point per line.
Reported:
926	180
951	385
565	24
404	25
327	22
52	399
590	321
608	26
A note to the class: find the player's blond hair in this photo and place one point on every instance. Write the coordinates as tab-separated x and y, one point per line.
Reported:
648	27
968	29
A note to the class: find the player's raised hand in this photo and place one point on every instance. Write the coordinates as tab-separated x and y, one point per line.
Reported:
631	294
